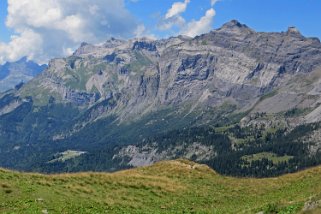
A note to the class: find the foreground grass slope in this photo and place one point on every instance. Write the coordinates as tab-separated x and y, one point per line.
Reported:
166	187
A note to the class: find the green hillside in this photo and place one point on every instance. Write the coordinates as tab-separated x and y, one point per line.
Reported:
166	187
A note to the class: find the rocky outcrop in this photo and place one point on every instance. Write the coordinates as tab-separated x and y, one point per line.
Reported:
150	153
144	45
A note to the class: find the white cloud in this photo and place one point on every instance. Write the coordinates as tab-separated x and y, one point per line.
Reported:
203	25
167	24
28	43
213	2
52	28
177	8
141	31
173	16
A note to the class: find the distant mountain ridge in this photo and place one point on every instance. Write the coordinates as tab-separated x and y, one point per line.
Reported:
13	73
246	103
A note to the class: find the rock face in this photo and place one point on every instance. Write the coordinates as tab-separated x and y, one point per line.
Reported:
232	64
272	80
149	154
11	74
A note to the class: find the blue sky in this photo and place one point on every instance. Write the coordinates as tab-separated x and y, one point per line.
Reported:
261	15
5	33
41	36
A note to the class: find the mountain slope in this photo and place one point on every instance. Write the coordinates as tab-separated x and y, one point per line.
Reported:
166	187
247	103
11	74
232	64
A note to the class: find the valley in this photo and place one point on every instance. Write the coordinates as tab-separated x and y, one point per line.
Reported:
246	103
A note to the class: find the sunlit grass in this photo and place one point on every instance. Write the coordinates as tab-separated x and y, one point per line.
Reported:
166	187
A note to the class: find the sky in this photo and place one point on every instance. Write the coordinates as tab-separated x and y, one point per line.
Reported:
42	30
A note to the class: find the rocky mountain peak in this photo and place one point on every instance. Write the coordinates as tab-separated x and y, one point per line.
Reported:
293	31
83	44
235	26
84	48
113	42
22	60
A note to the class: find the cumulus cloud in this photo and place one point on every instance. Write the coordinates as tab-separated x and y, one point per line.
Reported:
203	25
28	43
167	24
173	16
177	8
52	28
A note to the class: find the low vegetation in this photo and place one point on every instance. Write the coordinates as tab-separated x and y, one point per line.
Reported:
167	187
268	155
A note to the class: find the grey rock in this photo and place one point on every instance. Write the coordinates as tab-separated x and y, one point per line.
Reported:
232	64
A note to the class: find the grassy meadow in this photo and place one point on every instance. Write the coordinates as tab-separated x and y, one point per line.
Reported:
177	186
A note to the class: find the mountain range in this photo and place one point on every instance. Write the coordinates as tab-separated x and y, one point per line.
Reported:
244	102
21	71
